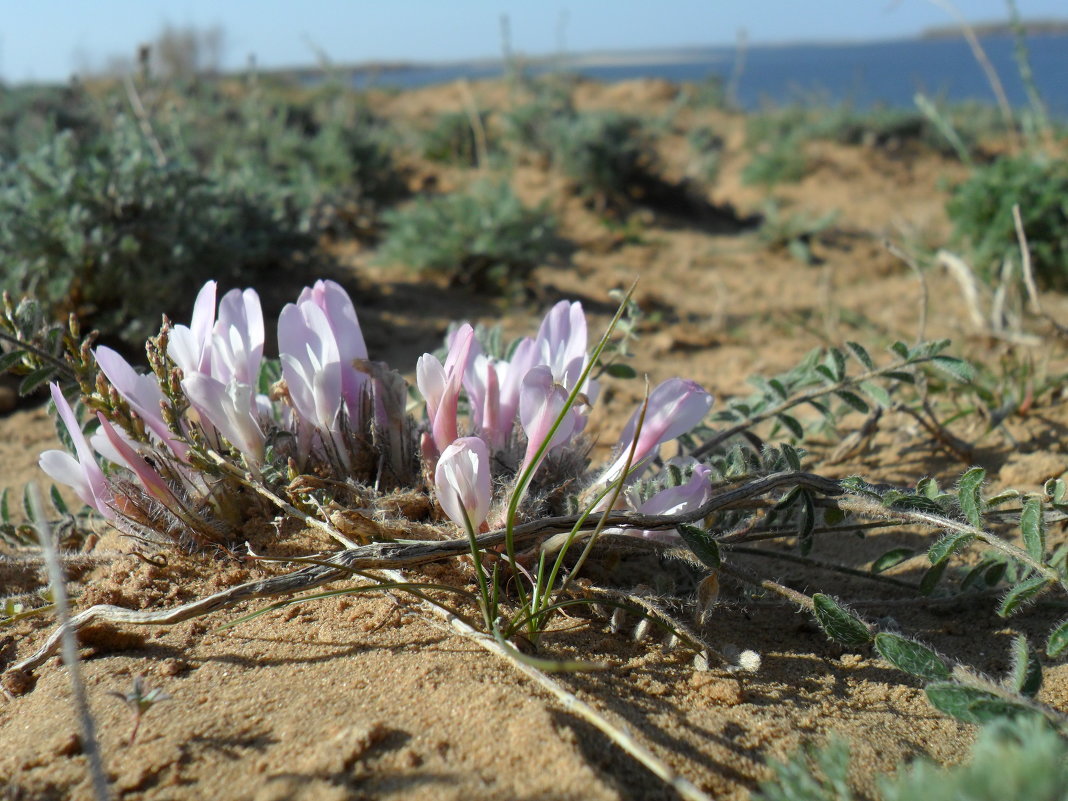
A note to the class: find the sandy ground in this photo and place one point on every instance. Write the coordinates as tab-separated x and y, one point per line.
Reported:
364	697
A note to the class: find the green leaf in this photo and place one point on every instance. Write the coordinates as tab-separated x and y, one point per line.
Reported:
1057	490
9	360
624	371
836	360
970	704
1033	528
27	505
877	393
1058	640
778	388
891	559
940	551
911	657
701	542
901	350
826	373
792	424
35	379
57	500
838	623
932	577
832	516
995	573
900	375
1026	673
861	355
5	508
789	453
911	502
957	368
1021	594
970	497
1002	497
854	401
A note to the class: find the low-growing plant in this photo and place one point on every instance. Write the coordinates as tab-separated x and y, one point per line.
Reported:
108	231
981	210
707	147
1012	758
777	162
482	237
608	156
497	469
452	139
794	232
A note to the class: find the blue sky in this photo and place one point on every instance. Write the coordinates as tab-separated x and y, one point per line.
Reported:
47	40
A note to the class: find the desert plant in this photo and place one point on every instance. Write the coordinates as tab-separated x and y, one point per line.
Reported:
608	156
794	232
452	139
482	237
107	231
981	210
1013	758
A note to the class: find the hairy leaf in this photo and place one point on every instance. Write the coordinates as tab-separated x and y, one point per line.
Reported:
950	543
957	368
911	657
838	623
969	495
1058	641
1033	528
970	704
1022	593
701	542
1026	674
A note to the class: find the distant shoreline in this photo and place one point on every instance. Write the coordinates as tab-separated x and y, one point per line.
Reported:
640	57
1038	27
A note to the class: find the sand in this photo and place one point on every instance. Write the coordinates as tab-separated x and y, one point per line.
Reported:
371	697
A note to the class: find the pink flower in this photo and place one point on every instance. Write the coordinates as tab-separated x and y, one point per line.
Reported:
190	346
345	327
441	386
462	478
312	368
83	474
143	394
116	448
561	345
237	338
686	497
541	402
230	409
675	406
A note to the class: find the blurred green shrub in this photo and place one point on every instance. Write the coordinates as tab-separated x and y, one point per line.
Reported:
980	209
326	164
776	162
452	139
107	231
1020	758
608	156
483	237
707	147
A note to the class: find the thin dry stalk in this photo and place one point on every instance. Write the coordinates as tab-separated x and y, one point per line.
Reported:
143	120
90	745
570	702
988	68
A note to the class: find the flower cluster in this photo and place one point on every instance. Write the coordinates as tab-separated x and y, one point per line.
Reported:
488	419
